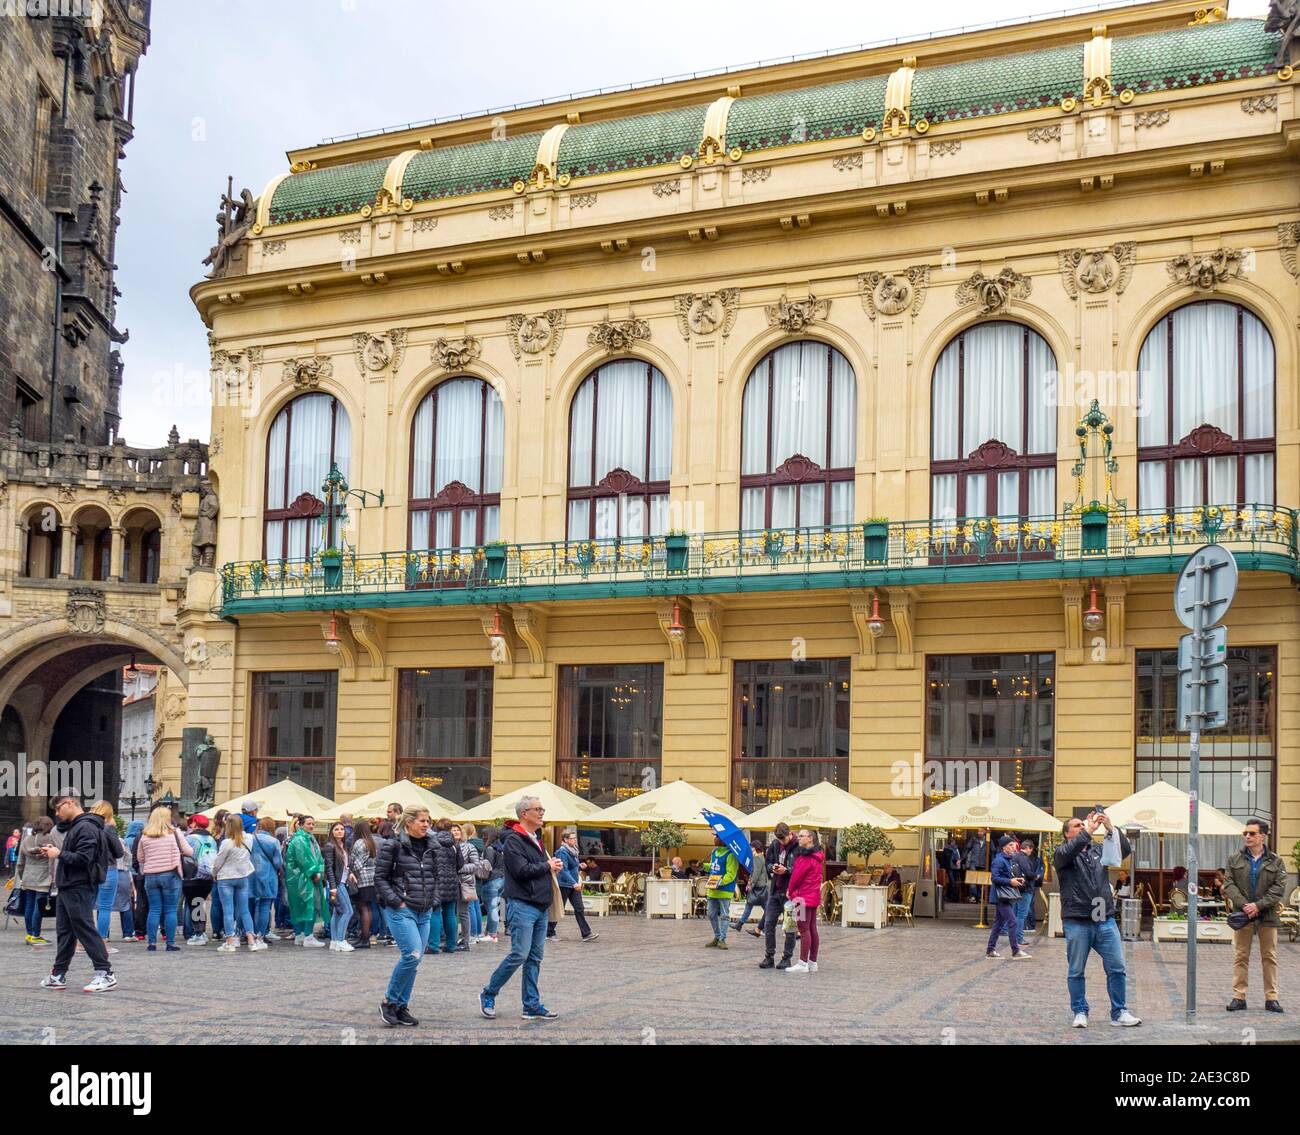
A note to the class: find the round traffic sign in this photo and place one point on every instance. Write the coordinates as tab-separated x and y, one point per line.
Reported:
1216	569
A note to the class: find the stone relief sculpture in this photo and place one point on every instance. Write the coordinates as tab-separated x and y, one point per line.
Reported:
204	541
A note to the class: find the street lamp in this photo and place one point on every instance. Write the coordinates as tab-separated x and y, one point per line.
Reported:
1093	619
875	624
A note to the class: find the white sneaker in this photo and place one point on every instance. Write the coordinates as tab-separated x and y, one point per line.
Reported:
1080	1021
344	947
798	967
993	954
1022	954
812	967
228	948
1126	1020
101	983
298	939
312	942
257	945
198	940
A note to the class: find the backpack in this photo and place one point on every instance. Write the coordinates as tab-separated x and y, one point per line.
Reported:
103	860
205	851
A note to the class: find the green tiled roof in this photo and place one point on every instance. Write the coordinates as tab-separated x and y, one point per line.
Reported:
1190	57
1168	60
327	192
475	167
838	110
638	142
1025	81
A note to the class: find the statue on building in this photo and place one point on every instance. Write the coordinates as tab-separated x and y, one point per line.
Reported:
234	222
199	761
204	542
1284	17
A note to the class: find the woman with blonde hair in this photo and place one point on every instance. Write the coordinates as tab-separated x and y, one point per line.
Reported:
231	870
107	897
159	851
406	879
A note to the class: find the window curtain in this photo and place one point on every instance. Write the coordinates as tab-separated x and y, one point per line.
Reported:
459	433
994	395
422	451
308	462
1258	369
661	428
1151	485
621	419
1043	392
943	496
754	422
1042	492
843	411
1153	388
1205	367
944	408
751	509
580	436
1259	478
493	442
799	402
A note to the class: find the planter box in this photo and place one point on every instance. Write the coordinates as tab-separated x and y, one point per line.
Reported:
864	906
1175	930
678	552
875	536
1095	533
668	898
495	555
332	567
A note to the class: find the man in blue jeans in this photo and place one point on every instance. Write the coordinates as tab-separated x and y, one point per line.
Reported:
528	891
1088	916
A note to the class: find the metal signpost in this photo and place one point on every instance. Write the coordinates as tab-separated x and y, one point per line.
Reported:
1202	596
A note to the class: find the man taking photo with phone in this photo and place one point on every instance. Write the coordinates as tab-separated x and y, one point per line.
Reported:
1088	916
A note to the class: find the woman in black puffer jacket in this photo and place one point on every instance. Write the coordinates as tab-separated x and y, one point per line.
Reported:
406	881
447	856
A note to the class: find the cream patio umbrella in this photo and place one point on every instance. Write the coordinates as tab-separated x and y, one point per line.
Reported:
1160	809
562	806
677	802
822	806
278	801
403	792
987	805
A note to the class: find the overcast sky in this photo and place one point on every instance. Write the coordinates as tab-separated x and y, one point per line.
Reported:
227	88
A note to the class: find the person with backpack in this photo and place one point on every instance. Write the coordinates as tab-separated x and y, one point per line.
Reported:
161	851
232	870
446	857
268	863
198	890
406	880
495	860
756	889
81	864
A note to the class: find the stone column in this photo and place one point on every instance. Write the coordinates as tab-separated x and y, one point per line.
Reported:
115	555
67	555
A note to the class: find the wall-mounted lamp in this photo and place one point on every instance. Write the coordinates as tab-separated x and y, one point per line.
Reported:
1093	619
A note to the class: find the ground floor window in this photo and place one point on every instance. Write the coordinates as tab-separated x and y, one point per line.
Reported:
791	728
444	731
1238	761
991	716
293	733
609	737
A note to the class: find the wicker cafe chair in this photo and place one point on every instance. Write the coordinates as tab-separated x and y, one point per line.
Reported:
636	892
903	909
700	896
1289	913
1158	909
618	893
1178	902
834	900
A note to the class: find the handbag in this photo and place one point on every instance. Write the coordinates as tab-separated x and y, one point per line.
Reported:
1007	893
189	865
14	907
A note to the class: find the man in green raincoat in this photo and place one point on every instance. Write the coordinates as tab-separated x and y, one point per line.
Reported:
304	867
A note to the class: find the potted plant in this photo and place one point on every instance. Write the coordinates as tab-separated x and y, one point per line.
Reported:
495	554
1094	521
864	840
331	562
676	542
661	834
875	536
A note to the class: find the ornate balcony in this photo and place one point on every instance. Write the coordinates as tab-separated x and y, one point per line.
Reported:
870	554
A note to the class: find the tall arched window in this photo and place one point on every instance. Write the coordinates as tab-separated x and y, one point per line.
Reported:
1205	420
620	452
993	425
309	435
797	451
456	460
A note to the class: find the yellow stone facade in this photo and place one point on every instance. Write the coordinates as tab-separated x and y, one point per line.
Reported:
888	246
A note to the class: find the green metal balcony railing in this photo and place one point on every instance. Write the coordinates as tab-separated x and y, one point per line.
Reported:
868	554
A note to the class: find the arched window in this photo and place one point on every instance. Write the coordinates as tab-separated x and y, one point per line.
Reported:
309	435
799	441
620	453
1205	419
993	425
456	460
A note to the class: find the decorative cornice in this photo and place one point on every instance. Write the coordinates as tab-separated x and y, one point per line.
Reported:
794	316
706	312
993	293
667	188
533	334
1259	104
756	173
1045	133
889	293
1205	271
618	335
455	354
1150	119
1096	270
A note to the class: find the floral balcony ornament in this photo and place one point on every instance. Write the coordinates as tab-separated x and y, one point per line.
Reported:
1094	480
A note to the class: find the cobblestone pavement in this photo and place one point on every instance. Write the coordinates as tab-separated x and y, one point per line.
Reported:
642	982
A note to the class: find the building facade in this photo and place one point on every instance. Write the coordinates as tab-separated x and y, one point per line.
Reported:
842	419
139	711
